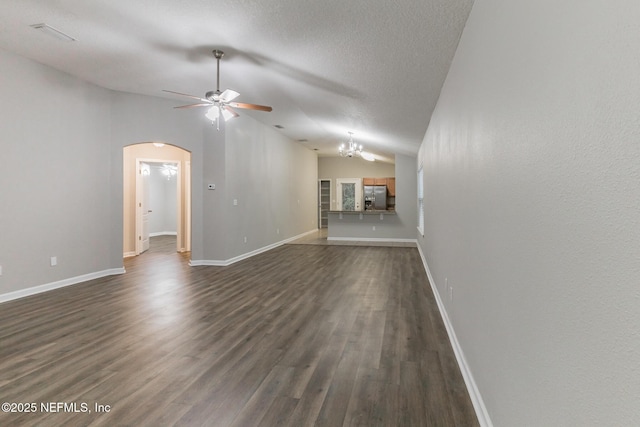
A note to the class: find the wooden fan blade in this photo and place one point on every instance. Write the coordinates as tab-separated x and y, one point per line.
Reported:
208	104
250	106
185	94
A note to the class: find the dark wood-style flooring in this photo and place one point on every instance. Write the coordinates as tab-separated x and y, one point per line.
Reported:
301	335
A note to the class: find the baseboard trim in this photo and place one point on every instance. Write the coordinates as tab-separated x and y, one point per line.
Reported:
225	263
372	239
472	387
128	254
163	233
59	284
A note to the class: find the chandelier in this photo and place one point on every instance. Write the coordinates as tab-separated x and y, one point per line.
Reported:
351	150
169	170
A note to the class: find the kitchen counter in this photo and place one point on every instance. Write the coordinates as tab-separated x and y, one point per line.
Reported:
370	212
373	225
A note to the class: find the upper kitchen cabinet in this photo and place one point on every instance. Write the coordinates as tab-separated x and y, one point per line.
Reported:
391	186
380	181
390	183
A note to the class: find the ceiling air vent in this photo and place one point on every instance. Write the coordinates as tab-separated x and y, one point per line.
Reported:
50	31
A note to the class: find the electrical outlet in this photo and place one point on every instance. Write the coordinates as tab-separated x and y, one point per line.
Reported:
277	231
0	270
374	228
235	202
54	261
245	239
450	293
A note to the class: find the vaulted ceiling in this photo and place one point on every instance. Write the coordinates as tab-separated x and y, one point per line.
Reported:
372	67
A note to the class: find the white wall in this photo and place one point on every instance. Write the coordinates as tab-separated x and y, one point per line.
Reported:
532	191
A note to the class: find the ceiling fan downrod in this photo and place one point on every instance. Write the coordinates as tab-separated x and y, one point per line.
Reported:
218	54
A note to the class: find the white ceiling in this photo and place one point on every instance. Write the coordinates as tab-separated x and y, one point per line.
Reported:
327	67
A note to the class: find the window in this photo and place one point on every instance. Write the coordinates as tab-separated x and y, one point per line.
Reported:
421	201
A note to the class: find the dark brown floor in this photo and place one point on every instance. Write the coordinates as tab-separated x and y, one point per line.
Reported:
301	335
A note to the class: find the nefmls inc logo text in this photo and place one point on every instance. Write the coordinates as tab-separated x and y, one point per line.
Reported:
64	407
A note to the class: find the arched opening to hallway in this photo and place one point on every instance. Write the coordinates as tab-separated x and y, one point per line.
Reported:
156	197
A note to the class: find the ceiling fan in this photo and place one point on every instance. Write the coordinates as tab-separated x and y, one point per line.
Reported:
220	103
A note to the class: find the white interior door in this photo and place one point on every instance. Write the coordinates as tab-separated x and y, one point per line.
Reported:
349	194
143	199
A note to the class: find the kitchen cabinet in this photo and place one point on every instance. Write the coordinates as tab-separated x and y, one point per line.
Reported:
380	181
389	183
391	186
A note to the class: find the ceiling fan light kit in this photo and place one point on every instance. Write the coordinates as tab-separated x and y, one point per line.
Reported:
220	103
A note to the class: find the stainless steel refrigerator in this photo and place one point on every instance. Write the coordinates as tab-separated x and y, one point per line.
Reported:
375	197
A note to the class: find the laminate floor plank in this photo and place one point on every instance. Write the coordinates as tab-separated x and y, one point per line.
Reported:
264	396
300	335
279	412
366	405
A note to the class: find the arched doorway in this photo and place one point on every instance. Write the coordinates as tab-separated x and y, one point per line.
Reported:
140	161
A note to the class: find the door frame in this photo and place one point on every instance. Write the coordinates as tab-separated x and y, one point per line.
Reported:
138	196
187	207
320	198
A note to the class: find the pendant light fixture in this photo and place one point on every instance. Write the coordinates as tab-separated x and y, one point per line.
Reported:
351	149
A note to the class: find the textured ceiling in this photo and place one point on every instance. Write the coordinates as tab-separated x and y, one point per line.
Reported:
326	67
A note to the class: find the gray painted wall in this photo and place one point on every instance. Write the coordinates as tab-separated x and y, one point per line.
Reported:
532	191
54	140
272	178
138	118
62	175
